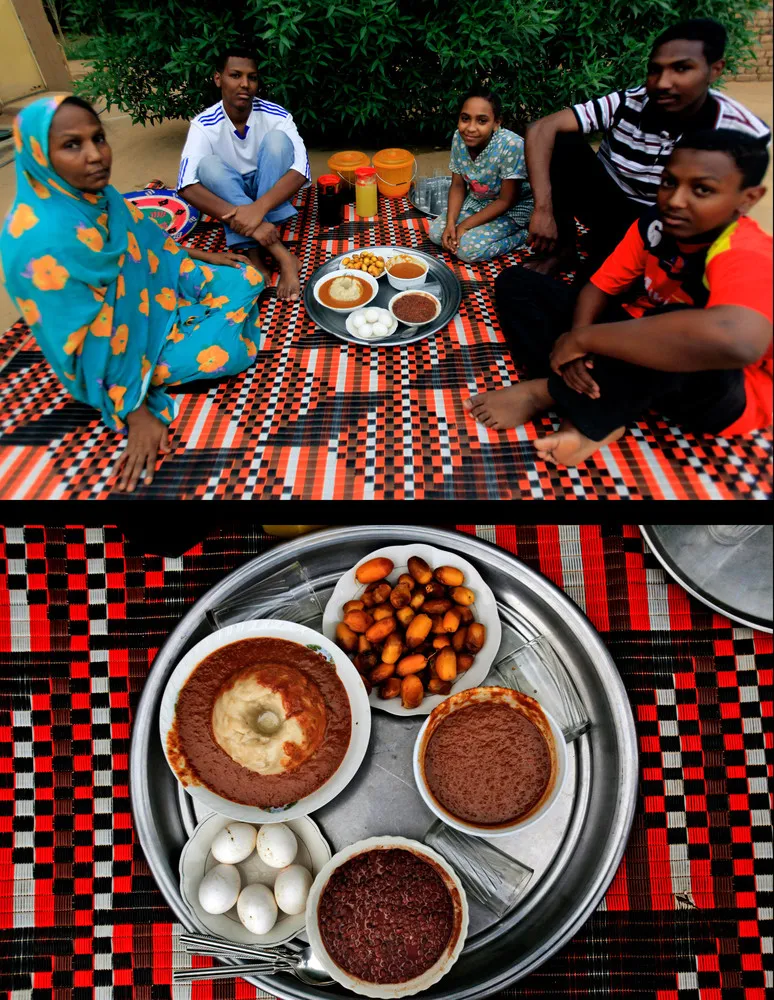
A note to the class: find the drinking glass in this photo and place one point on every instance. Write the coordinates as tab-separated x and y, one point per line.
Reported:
733	534
533	667
287	594
490	876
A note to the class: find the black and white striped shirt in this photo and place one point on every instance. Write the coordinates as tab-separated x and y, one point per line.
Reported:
639	137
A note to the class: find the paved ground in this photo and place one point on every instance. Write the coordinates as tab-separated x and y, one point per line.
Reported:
141	153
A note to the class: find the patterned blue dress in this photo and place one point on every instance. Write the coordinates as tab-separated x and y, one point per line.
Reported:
501	159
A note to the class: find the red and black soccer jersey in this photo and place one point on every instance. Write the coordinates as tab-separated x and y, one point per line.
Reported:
651	269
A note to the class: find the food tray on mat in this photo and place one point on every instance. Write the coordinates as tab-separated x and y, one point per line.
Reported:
441	282
574	852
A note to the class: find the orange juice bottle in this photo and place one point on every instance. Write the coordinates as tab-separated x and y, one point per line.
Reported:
366	200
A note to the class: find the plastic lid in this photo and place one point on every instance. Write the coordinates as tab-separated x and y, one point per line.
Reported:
365	172
329	179
348	160
395	158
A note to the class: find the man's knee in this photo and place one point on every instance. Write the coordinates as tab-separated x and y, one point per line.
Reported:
211	169
514	281
276	143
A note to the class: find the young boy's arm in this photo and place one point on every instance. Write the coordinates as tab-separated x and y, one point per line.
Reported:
687	340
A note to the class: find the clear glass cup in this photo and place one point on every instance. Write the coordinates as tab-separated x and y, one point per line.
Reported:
733	534
287	594
488	875
533	667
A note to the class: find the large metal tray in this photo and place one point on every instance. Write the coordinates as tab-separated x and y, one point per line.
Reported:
450	296
735	580
574	853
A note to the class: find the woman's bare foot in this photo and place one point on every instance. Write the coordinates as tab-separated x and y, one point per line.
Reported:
569	447
510	407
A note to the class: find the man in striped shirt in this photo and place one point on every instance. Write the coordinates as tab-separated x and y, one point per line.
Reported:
609	190
242	163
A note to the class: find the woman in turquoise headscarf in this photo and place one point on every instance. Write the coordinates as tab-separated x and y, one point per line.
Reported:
118	308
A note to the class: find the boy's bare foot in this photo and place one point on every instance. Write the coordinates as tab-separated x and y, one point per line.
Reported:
289	286
569	447
510	407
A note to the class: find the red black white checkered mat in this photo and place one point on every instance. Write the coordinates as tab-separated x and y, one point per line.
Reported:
316	418
82	615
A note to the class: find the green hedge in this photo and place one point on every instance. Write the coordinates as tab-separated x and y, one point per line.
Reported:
373	71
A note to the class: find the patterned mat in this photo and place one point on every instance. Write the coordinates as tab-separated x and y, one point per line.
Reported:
316	418
82	614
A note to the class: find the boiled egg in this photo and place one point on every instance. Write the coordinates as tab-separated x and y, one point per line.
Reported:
219	889
366	330
358	319
379	330
291	888
276	845
257	908
372	315
234	843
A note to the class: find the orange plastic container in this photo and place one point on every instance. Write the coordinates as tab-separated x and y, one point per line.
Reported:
395	169
345	164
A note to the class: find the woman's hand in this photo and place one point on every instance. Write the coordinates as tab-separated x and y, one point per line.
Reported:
147	437
577	376
228	259
450	239
566	349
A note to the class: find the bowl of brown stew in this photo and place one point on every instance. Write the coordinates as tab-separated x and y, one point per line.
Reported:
387	917
414	308
264	721
344	291
490	761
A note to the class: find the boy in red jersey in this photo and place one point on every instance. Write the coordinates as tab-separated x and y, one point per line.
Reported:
678	318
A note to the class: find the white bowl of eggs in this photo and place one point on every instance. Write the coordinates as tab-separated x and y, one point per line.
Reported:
372	323
248	883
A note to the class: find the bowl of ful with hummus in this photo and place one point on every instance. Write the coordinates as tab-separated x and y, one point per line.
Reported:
264	721
346	290
410	894
490	761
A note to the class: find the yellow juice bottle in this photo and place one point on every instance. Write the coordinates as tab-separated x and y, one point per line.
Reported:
366	199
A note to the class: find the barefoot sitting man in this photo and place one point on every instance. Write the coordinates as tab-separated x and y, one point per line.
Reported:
242	162
609	190
678	318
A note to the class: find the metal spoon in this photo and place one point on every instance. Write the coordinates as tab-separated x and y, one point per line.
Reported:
294	958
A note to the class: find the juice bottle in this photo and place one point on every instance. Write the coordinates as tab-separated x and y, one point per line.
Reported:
289	530
366	200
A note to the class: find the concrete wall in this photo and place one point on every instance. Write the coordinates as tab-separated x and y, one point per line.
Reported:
763	66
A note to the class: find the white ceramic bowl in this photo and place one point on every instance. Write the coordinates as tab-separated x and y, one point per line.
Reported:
404	283
369	278
484	610
519	701
389	991
196	860
413	291
353	330
347	674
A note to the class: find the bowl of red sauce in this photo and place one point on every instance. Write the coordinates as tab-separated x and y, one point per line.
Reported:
414	308
490	761
387	917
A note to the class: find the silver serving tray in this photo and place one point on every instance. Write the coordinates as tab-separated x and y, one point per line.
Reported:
450	296
574	854
735	580
430	195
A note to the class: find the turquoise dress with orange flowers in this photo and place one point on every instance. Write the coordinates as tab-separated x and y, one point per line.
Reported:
118	308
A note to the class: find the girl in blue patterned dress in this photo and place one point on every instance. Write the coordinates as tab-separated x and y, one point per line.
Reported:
117	307
490	201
